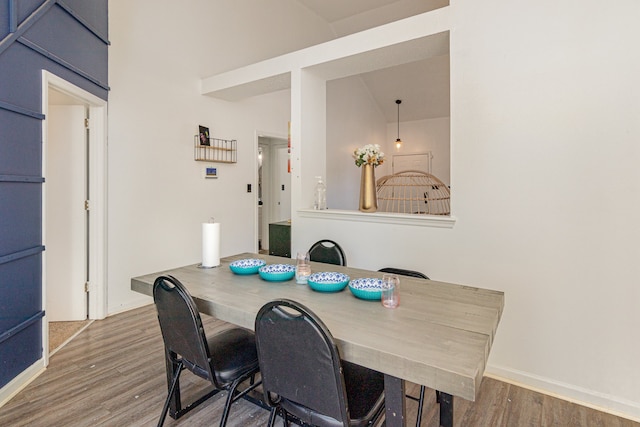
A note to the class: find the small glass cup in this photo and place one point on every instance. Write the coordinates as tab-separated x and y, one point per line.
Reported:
303	268
390	291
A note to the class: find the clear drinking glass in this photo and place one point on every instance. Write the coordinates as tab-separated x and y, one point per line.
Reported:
303	267
390	290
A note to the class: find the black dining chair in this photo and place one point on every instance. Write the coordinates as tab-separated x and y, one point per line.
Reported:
327	251
403	272
303	376
225	359
420	398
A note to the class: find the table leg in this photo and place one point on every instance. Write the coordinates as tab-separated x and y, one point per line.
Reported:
394	398
446	409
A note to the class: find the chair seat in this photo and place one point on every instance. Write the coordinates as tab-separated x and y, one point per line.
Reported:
233	353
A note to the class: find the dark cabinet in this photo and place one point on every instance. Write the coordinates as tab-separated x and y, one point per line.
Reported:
280	239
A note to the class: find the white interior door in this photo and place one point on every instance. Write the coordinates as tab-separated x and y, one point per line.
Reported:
65	214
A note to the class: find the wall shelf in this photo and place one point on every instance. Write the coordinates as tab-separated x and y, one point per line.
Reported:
218	150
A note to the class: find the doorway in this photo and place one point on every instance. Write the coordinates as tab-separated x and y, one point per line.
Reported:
274	186
73	203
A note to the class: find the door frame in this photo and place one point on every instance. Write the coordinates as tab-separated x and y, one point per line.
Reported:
97	177
257	136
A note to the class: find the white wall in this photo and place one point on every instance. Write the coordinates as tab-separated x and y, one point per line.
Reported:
544	153
157	196
421	136
544	166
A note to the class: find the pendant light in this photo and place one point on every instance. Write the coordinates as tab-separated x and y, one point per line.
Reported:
398	141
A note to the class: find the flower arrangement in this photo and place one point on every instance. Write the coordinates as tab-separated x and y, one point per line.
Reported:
369	154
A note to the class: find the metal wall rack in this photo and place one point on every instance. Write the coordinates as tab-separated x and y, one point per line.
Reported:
218	150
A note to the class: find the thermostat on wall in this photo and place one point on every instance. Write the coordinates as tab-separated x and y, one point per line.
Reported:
211	172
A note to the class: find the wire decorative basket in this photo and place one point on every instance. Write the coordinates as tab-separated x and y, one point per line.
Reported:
413	192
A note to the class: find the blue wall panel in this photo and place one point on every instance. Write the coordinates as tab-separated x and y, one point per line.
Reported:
69	39
4	18
93	13
20	217
22	279
19	73
27	7
58	32
20	149
19	352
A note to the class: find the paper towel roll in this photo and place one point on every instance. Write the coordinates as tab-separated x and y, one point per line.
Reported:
210	244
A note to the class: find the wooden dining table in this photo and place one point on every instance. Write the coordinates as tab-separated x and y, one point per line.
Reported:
439	336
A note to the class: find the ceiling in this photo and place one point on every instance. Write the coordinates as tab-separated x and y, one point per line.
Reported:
422	86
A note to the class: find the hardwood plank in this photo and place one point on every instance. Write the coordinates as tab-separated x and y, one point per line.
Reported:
492	398
523	408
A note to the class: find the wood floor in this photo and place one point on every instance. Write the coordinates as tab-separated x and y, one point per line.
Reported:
112	374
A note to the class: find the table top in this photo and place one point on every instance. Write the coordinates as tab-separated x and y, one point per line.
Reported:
439	336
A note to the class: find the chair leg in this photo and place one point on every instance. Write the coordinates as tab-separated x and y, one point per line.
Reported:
272	417
233	395
172	390
230	400
420	406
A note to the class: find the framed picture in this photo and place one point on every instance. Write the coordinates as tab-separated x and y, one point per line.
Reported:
204	135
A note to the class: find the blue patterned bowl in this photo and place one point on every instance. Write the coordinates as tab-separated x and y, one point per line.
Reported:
277	272
326	281
369	289
246	266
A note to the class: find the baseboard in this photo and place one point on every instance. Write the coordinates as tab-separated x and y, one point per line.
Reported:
581	396
14	386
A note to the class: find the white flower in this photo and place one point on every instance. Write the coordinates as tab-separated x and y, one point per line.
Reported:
369	154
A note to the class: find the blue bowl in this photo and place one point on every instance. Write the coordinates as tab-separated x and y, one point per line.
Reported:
368	289
277	272
326	281
246	266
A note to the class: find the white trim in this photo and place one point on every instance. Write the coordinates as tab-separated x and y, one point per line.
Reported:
98	187
592	399
23	379
98	180
256	227
437	221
